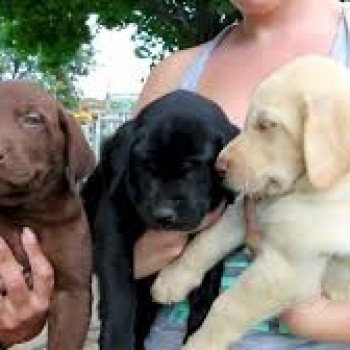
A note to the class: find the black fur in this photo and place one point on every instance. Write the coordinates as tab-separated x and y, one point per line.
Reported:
157	171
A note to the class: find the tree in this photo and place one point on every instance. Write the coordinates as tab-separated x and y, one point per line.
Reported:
172	24
57	29
59	80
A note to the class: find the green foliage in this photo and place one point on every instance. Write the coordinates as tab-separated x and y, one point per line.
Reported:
55	30
59	79
170	24
60	82
49	40
51	30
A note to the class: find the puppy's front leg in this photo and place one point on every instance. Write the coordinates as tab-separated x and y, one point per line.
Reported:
267	286
117	290
203	252
71	302
69	318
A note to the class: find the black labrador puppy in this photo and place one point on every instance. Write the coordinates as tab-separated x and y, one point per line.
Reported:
157	171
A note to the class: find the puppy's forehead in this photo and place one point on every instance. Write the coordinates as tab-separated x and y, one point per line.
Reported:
171	141
23	93
263	111
184	131
280	103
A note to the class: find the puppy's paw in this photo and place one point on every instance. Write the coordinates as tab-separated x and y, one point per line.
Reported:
218	331
198	342
204	340
174	283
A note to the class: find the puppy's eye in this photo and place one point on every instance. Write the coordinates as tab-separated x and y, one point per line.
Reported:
265	124
32	120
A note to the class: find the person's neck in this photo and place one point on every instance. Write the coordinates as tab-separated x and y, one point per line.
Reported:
288	15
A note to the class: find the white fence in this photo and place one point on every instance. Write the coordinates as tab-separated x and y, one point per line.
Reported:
95	132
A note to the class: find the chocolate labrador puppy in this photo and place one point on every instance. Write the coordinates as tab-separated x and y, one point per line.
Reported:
43	155
157	171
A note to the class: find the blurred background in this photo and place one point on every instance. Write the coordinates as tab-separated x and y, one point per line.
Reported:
94	55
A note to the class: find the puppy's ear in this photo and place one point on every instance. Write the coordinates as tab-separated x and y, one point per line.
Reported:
80	159
110	170
326	139
226	131
115	155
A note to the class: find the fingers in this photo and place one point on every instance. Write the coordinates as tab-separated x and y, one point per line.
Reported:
12	277
42	272
23	310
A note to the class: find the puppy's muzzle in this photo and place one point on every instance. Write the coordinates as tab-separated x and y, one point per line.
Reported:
221	166
165	216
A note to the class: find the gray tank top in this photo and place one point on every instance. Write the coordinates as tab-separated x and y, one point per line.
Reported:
340	50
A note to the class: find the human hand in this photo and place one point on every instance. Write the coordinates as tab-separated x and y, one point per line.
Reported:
319	319
156	249
23	310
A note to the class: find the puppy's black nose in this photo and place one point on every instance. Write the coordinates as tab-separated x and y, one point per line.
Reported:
165	216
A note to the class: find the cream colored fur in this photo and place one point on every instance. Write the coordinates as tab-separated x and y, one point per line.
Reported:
294	156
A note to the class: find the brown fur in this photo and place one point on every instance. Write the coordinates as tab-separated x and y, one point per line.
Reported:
42	156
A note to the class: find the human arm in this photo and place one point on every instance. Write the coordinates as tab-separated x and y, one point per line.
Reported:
23	310
156	249
320	319
165	77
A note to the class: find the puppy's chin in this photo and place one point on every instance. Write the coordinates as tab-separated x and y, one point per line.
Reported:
32	191
180	225
247	187
21	198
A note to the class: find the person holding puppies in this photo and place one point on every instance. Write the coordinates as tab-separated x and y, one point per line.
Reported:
226	70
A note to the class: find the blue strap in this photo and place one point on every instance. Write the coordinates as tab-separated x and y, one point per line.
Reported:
194	71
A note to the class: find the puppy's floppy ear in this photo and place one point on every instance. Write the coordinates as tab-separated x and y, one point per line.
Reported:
225	130
80	159
110	170
326	139
115	155
229	133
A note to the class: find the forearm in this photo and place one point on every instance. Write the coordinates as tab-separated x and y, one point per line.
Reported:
321	320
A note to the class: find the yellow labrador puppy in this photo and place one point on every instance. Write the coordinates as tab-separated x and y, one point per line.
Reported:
294	157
